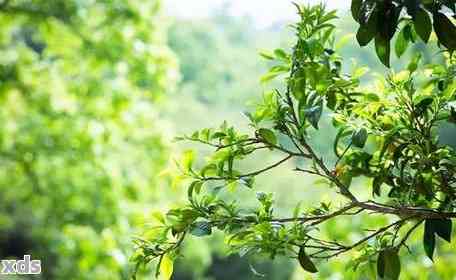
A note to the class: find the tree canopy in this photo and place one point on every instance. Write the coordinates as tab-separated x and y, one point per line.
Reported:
78	81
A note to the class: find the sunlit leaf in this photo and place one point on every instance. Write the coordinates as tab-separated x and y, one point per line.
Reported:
268	135
166	267
402	43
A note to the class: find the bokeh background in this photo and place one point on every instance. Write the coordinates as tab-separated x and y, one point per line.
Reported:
92	94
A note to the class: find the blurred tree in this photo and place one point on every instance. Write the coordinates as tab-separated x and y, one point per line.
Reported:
80	142
214	57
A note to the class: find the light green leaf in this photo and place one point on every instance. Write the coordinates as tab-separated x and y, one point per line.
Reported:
187	160
267	55
268	135
402	43
166	267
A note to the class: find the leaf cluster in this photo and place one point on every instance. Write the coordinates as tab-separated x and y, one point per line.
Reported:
379	20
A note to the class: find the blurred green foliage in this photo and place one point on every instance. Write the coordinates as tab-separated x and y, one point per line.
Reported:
80	141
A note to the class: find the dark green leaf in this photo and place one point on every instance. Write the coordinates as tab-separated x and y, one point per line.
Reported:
331	99
201	229
268	135
306	262
423	105
442	227
388	264
355	9
382	48
381	264
412	7
359	138
401	43
376	184
367	9
367	31
423	25
389	25
429	239
445	30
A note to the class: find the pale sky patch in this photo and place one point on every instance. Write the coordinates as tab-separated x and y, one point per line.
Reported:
263	12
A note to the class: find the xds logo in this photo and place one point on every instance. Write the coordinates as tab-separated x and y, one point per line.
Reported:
25	266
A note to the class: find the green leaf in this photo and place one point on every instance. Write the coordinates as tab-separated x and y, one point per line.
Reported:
402	43
268	135
423	105
195	186
445	30
232	186
429	239
382	48
413	65
389	264
423	25
359	138
305	262
442	227
409	33
281	54
187	160
166	267
356	8
366	32
376	186
366	11
269	76
201	229
390	21
381	264
313	114
412	7
267	55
